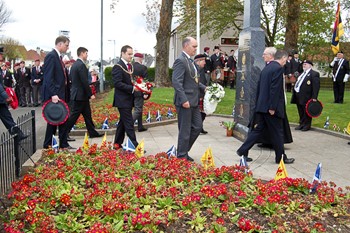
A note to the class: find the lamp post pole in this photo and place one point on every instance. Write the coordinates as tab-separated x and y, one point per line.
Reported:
101	61
113	48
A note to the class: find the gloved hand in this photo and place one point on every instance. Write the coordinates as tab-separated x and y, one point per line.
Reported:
346	78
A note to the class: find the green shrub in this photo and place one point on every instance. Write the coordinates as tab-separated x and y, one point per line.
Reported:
152	73
108	76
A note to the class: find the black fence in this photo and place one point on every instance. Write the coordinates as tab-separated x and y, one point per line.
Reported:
14	153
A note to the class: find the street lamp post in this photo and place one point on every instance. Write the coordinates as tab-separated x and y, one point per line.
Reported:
113	49
101	61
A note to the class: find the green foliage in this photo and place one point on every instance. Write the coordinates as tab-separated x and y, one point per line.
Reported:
152	73
108	76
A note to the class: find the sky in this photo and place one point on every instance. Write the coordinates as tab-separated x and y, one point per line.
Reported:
36	23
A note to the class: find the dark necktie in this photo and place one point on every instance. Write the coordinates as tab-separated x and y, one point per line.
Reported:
129	66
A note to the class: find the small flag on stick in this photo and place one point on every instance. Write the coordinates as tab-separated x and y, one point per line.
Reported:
149	118
104	140
243	163
129	146
105	124
281	171
171	151
54	144
170	113
317	178
86	142
326	124
140	149
207	159
158	116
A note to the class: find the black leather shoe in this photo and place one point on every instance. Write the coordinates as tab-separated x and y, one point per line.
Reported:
245	156
70	148
305	129
203	131
143	129
22	136
97	135
348	143
69	139
300	127
190	158
288	161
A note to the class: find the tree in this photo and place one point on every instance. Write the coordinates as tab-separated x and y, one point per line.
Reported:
11	48
5	14
292	25
163	37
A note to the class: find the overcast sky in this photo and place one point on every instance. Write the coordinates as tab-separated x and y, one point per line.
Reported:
36	23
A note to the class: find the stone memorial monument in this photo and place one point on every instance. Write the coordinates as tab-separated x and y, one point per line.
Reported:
250	63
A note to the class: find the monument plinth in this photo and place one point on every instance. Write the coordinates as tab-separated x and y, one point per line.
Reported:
250	63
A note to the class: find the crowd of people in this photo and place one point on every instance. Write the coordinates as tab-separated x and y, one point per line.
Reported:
69	81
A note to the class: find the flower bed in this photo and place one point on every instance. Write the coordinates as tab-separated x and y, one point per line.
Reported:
104	190
101	111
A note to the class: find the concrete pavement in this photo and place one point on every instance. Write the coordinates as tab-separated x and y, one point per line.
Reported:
309	148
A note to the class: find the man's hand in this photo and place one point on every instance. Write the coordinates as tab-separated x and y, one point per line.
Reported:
93	97
272	112
55	98
186	104
9	100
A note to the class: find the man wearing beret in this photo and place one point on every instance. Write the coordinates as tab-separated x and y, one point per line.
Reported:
25	88
306	88
37	78
340	74
200	62
208	65
187	86
139	71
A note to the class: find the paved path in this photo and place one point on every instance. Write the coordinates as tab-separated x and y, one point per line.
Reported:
308	149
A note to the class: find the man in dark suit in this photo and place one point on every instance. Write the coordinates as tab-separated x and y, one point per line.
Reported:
124	96
306	88
208	66
269	109
340	76
187	87
232	65
36	80
80	95
24	78
55	86
139	71
7	77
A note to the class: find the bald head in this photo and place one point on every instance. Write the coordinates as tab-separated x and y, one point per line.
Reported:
189	46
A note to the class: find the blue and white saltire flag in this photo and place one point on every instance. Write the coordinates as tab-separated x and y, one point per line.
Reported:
54	144
326	124
169	114
136	122
243	163
116	124
171	151
317	178
149	118
158	116
129	146
73	128
105	124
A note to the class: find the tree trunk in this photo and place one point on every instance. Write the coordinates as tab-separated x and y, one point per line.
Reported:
163	40
292	25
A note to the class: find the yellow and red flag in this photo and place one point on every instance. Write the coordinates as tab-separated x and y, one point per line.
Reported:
281	171
104	140
208	159
338	31
140	149
86	142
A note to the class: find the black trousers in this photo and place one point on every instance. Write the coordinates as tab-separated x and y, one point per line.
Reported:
190	125
6	117
338	90
125	125
138	108
80	107
264	121
50	131
304	119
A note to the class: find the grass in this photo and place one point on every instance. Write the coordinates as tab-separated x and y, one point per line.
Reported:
339	114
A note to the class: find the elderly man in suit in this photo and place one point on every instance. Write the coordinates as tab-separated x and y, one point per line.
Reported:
306	88
340	73
186	83
269	109
54	86
124	96
80	95
36	80
140	70
24	78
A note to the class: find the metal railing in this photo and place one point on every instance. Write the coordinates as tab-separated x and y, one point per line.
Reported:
14	153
